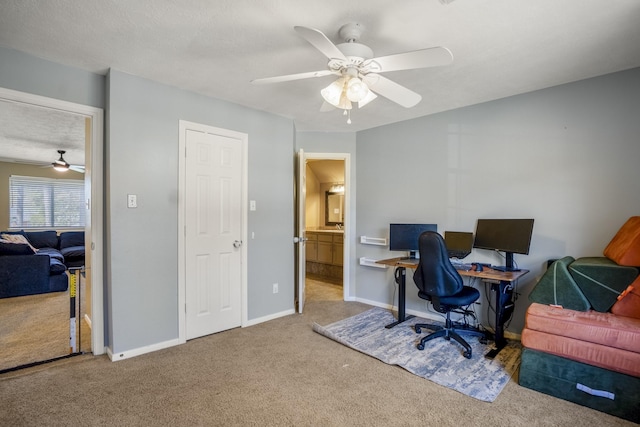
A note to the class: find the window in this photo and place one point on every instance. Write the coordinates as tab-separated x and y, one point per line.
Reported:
46	203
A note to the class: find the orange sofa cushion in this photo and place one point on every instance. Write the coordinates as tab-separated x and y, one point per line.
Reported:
605	329
613	359
624	248
628	303
599	339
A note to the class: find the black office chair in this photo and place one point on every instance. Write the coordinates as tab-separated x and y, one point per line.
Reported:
439	282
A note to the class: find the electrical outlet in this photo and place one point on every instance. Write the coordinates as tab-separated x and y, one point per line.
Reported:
275	288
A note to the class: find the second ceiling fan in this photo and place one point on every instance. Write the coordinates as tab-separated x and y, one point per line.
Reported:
358	71
61	165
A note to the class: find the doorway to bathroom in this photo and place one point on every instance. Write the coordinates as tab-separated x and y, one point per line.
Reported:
323	224
325	220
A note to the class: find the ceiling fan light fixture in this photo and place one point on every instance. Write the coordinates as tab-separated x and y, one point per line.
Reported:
357	90
61	164
345	103
333	93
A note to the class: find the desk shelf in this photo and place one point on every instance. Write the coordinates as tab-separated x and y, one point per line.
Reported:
368	262
378	241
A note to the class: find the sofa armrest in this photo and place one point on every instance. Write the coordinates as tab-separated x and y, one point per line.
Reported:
23	275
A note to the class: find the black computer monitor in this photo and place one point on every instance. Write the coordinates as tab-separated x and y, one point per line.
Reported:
506	235
404	237
459	243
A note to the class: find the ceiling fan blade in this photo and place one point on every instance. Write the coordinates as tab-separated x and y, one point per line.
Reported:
77	168
431	57
320	42
289	77
392	90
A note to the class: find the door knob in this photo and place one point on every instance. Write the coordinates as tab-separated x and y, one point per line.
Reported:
237	243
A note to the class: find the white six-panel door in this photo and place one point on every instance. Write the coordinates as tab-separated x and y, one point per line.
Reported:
213	233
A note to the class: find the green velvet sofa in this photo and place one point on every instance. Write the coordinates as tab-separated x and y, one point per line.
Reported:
582	331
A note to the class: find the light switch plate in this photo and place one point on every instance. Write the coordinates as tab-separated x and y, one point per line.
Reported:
252	205
132	201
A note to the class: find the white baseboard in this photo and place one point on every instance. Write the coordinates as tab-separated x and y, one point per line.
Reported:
127	354
269	317
373	303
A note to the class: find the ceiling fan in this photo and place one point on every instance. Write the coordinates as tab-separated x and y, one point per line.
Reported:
358	71
61	164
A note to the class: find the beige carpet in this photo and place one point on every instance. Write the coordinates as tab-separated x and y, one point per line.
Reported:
278	373
35	328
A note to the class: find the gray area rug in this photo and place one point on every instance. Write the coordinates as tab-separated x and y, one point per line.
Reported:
441	361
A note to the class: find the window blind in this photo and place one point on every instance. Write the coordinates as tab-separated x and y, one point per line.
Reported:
45	202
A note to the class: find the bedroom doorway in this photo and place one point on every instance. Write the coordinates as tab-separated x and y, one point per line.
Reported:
85	284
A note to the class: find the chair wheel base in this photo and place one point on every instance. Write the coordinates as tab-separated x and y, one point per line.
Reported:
467	354
420	346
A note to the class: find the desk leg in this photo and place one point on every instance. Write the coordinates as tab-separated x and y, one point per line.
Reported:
401	272
504	307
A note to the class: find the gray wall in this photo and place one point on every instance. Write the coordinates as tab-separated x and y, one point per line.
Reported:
566	156
142	159
334	142
26	73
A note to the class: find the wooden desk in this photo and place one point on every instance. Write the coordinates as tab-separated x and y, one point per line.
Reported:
501	285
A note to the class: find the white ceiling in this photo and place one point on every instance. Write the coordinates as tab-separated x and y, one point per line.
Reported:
500	47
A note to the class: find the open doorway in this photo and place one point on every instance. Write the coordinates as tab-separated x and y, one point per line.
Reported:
323	209
81	302
325	220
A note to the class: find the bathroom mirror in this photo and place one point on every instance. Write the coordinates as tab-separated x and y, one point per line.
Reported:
334	208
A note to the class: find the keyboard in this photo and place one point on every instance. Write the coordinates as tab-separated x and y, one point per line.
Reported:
461	265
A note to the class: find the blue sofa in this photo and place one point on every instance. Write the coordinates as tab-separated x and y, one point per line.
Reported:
23	272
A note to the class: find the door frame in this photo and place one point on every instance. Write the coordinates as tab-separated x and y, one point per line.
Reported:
95	174
348	224
182	285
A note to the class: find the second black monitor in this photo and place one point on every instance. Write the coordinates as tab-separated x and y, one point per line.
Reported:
506	235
